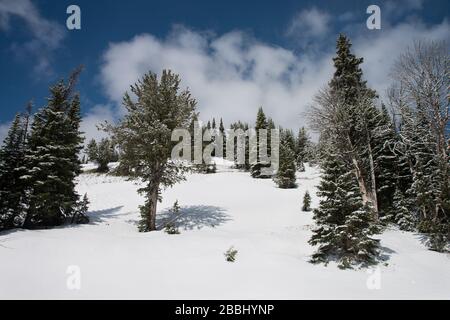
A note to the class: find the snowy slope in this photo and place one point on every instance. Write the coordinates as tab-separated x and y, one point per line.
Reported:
219	210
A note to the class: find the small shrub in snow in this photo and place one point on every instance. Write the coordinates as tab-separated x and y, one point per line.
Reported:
230	254
175	207
171	229
306	202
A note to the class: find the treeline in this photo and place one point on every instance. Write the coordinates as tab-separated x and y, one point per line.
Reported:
377	170
39	162
294	151
101	153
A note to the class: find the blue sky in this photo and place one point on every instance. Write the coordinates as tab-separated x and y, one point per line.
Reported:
233	55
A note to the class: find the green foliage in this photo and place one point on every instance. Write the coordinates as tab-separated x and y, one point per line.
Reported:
12	187
52	160
144	136
285	177
230	254
344	224
306	202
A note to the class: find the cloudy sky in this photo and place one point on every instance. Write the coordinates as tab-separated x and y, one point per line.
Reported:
233	56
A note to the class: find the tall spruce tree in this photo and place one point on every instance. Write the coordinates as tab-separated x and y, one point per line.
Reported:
52	159
12	187
261	123
92	150
144	136
301	148
343	227
358	117
224	138
285	176
384	141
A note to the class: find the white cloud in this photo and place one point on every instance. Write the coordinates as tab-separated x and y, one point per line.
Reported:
46	35
230	75
309	26
93	118
381	52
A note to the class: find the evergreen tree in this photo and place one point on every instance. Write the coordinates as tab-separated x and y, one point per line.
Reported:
285	176
214	123
105	155
306	202
343	222
403	211
356	117
82	208
261	123
92	150
224	138
301	149
385	160
12	187
144	136
243	127
52	159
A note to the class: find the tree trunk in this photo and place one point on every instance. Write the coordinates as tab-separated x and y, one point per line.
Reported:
373	193
153	201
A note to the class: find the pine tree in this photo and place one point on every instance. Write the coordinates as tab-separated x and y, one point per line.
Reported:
105	155
306	202
224	138
52	159
301	148
144	136
403	211
343	222
385	160
357	117
82	208
261	123
12	187
285	176
243	127
92	150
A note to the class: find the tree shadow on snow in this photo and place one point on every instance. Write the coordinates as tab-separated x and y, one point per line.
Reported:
99	216
190	217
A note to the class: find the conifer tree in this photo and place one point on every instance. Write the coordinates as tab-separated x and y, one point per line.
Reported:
105	155
52	159
385	160
301	149
224	138
261	123
12	187
306	202
285	176
346	110
343	227
92	150
404	213
144	136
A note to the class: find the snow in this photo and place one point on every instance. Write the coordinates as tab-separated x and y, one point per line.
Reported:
229	208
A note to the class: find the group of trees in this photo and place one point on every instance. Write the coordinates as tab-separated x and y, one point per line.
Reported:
102	153
377	170
293	152
39	162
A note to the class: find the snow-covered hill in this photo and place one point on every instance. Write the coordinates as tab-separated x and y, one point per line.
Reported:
229	208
